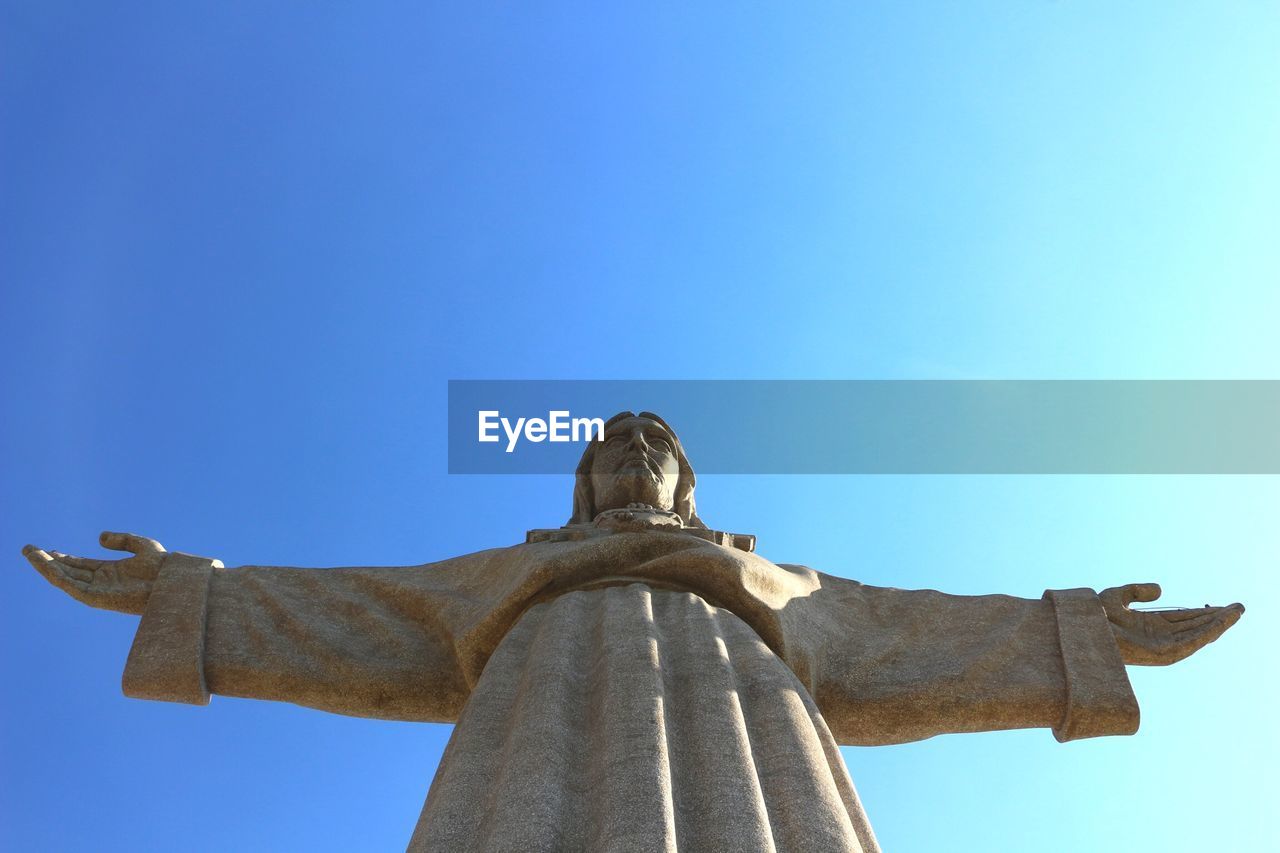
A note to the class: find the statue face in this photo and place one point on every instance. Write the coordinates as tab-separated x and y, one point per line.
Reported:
636	463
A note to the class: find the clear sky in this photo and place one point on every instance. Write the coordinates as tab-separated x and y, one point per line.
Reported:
243	246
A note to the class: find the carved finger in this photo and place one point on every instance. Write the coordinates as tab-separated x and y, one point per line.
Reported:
70	569
87	564
1186	642
56	573
130	542
1202	617
1184	614
1164	635
1139	592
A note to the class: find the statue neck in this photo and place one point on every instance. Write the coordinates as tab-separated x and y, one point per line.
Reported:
635	517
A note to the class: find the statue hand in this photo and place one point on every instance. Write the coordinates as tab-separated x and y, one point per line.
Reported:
123	585
1159	638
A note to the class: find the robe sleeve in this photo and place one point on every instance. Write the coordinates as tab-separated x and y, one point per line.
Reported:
368	642
902	665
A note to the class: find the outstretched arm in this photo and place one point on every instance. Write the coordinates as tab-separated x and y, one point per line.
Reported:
902	665
359	641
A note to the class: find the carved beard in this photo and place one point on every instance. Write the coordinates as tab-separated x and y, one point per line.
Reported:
634	485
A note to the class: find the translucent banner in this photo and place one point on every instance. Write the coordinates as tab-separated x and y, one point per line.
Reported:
881	426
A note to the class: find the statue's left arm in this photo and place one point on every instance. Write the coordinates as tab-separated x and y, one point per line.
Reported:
361	641
899	665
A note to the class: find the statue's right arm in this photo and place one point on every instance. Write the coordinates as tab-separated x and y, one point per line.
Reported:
362	641
900	665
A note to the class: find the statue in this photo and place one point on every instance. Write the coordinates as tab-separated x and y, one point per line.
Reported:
635	680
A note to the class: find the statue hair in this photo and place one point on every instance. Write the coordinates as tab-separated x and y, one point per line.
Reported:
584	504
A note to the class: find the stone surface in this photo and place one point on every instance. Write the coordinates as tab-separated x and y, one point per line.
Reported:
633	718
638	682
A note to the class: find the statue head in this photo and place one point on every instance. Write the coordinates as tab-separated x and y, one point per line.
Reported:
640	461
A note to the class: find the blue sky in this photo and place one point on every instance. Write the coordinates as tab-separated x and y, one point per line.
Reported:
243	248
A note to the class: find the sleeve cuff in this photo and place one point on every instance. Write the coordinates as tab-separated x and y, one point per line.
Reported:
166	661
1100	700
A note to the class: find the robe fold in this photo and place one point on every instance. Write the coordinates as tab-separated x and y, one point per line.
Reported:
637	691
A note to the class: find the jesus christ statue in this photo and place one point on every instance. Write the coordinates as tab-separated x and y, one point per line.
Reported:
634	681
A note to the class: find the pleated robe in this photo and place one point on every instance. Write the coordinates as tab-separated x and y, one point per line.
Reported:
629	718
637	691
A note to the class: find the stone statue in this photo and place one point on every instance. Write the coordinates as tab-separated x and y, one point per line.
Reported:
634	680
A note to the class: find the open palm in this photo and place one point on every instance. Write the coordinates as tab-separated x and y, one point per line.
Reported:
1159	638
123	585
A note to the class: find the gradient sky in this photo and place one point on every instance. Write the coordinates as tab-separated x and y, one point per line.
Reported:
243	246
